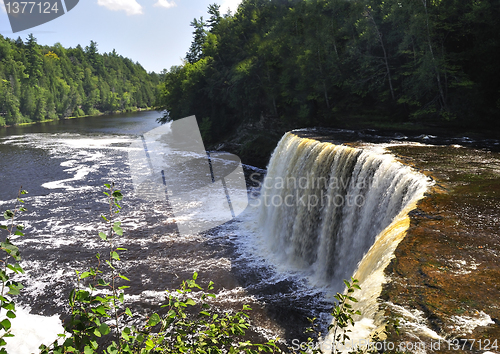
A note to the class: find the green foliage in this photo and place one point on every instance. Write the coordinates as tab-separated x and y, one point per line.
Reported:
343	312
205	129
343	321
38	83
207	332
10	261
308	62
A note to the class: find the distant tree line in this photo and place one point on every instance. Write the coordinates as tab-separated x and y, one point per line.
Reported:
39	83
318	62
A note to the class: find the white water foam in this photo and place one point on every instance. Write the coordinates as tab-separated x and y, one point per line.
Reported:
466	324
413	321
31	331
285	238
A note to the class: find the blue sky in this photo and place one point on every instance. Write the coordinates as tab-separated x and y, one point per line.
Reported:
156	33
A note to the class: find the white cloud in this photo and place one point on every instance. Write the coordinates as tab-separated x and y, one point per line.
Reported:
2	6
164	3
229	5
131	7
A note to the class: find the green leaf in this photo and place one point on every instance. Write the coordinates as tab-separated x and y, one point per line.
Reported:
11	314
154	320
104	329
115	255
16	268
109	264
11	249
4	227
8	214
124	277
5	324
97	333
125	336
190	302
15	288
103	236
117	228
149	344
101	310
85	275
8	305
128	312
82	295
112	349
117	195
107	185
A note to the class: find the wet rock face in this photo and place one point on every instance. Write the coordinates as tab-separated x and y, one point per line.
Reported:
448	265
444	282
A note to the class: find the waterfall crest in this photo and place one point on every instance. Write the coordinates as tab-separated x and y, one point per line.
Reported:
330	210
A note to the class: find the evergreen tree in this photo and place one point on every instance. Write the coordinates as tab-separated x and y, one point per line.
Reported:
51	82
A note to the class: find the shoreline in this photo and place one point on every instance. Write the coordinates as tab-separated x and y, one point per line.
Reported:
74	117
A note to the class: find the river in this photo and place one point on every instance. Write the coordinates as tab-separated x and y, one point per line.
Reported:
264	257
63	165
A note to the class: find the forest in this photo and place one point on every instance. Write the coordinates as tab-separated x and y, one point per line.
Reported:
39	83
325	62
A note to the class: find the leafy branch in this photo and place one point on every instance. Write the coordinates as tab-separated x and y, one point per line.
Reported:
11	252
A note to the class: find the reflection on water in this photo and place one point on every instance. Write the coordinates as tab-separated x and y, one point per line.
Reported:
125	123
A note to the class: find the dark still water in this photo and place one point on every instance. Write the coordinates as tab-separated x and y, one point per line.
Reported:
63	165
32	155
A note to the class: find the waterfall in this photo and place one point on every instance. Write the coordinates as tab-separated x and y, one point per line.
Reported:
334	212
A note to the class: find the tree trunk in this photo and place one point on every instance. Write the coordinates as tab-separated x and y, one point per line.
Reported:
438	78
324	84
379	36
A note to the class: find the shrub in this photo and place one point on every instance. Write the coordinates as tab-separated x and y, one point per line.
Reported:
10	267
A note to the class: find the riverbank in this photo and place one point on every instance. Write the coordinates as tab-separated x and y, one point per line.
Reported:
137	109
